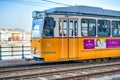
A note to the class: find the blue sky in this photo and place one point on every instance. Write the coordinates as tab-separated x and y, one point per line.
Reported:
18	13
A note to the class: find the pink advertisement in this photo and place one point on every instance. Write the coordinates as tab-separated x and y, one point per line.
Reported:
113	43
101	43
89	44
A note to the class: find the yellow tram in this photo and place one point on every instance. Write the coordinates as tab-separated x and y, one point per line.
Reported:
75	33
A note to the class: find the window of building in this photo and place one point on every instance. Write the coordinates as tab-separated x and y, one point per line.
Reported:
115	28
103	28
88	27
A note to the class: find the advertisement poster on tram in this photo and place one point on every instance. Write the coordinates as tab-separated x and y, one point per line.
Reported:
89	44
101	43
113	43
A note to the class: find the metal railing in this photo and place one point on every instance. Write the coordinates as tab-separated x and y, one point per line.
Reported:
12	51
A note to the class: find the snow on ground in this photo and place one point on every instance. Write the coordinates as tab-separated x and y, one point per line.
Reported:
112	77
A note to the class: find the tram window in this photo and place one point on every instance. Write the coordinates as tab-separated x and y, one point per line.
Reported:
60	28
64	24
84	27
63	27
48	32
37	28
88	27
71	28
115	28
65	32
49	27
103	28
76	28
71	25
92	28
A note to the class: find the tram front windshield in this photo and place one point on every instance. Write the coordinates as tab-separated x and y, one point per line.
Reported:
37	28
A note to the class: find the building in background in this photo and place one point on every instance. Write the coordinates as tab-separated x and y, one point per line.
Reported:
14	44
8	35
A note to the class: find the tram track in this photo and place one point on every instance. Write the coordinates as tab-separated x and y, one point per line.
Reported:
14	65
38	66
59	72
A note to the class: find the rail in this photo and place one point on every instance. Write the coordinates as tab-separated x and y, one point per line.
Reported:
61	72
14	51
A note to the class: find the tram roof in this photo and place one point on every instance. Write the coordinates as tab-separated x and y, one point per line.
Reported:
82	10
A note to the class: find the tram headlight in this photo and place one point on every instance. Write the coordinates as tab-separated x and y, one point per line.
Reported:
35	51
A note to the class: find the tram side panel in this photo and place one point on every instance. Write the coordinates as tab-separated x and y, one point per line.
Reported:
50	49
73	48
56	49
87	51
63	48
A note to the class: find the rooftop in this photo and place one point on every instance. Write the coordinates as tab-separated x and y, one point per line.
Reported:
83	10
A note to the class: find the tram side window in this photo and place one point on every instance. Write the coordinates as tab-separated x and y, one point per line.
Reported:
60	28
63	28
49	27
92	28
103	28
71	28
88	27
76	28
115	28
84	27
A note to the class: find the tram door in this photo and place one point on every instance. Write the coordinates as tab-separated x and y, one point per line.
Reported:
68	30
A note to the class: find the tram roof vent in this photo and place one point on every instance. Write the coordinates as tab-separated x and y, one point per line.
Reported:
83	10
111	12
